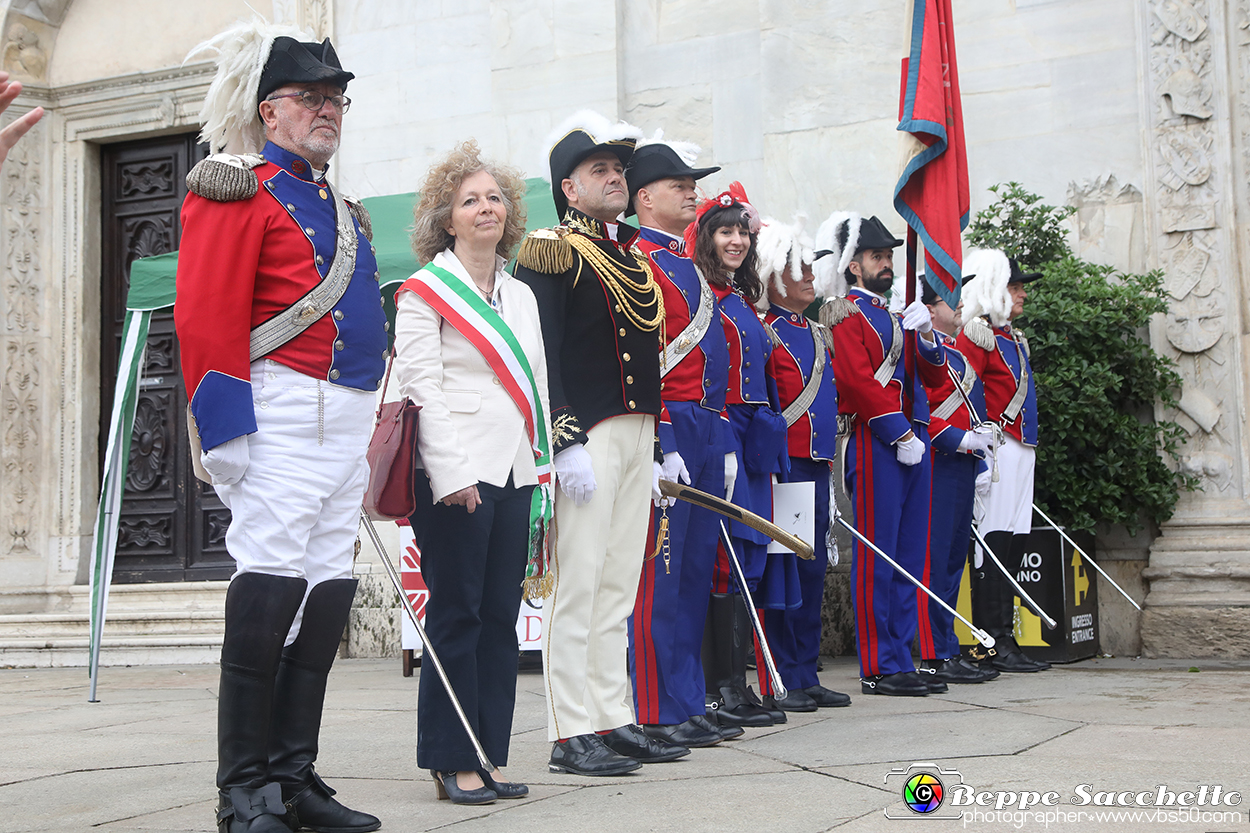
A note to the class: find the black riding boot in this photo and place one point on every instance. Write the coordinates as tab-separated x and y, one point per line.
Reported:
297	702
991	599
259	612
725	674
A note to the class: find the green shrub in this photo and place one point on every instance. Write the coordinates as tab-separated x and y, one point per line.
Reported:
1101	456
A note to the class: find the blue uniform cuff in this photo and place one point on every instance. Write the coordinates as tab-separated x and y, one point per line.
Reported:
222	408
889	428
948	440
668	437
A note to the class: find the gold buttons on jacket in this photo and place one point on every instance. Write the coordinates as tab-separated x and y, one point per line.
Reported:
334	374
629	380
622	332
338	315
618	309
632	405
323	194
625	356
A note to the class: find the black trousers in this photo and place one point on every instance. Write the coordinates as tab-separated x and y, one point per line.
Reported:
473	565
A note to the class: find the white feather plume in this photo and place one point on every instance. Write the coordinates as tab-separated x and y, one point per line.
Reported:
830	270
987	294
687	152
598	126
782	246
229	116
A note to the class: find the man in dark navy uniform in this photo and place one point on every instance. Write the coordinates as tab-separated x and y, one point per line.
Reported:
601	312
999	353
887	453
801	367
282	339
960	444
666	628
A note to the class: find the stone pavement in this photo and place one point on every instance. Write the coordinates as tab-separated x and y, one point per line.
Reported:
143	758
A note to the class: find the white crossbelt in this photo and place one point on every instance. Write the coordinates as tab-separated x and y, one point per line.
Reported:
886	371
305	312
808	395
693	333
1022	386
951	404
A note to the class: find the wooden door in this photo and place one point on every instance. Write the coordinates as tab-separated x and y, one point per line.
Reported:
172	527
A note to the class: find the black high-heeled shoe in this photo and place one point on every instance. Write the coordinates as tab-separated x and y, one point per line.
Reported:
445	783
505	789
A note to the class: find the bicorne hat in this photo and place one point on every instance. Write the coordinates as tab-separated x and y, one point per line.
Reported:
296	62
656	159
1017	276
840	237
927	294
578	137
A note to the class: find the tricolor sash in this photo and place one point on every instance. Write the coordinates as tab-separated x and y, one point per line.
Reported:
463	308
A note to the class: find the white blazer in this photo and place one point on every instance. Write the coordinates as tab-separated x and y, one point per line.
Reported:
470	430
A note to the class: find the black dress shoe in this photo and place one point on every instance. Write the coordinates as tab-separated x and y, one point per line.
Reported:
744	715
688	734
503	789
588	755
983	659
794	701
903	684
315	808
826	698
954	670
775	713
726	732
929	678
1016	662
633	742
445	784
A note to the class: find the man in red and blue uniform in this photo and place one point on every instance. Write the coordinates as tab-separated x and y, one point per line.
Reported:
666	628
999	353
282	339
959	446
812	435
887	455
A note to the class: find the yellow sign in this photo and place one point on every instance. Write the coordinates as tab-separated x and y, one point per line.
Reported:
1080	582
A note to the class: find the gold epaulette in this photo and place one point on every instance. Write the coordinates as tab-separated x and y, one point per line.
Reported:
358	210
545	250
225	177
836	310
979	333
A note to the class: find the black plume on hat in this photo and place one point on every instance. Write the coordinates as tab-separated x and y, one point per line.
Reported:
296	62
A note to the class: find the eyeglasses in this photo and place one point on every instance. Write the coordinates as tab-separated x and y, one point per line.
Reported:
314	100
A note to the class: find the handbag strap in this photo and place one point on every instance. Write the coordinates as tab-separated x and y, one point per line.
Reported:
390	362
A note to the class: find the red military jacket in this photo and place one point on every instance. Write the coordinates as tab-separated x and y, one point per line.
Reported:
1000	356
242	262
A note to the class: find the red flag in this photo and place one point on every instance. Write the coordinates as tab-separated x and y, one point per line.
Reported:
932	193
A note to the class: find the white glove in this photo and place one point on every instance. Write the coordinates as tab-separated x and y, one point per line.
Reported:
731	474
227	462
910	452
674	469
657	497
917	317
974	442
575	473
983	482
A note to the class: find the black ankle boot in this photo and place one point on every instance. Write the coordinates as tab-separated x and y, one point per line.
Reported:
259	612
299	696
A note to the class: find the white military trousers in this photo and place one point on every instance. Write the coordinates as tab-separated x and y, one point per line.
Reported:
296	510
596	565
1009	505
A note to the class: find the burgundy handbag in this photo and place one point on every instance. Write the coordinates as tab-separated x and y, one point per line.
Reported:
392	458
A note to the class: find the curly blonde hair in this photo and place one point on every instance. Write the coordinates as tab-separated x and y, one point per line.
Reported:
432	213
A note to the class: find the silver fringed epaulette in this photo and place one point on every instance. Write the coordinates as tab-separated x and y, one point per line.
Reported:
1024	342
545	250
772	334
979	333
826	337
836	310
225	177
358	210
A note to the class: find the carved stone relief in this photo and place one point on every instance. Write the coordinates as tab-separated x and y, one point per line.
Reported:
1192	245
314	16
20	394
27	44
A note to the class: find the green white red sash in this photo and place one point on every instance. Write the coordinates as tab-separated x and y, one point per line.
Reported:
462	307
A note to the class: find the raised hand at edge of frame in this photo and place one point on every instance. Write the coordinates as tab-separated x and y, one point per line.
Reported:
9	90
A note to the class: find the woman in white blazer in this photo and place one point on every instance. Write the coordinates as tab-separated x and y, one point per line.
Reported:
474	504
